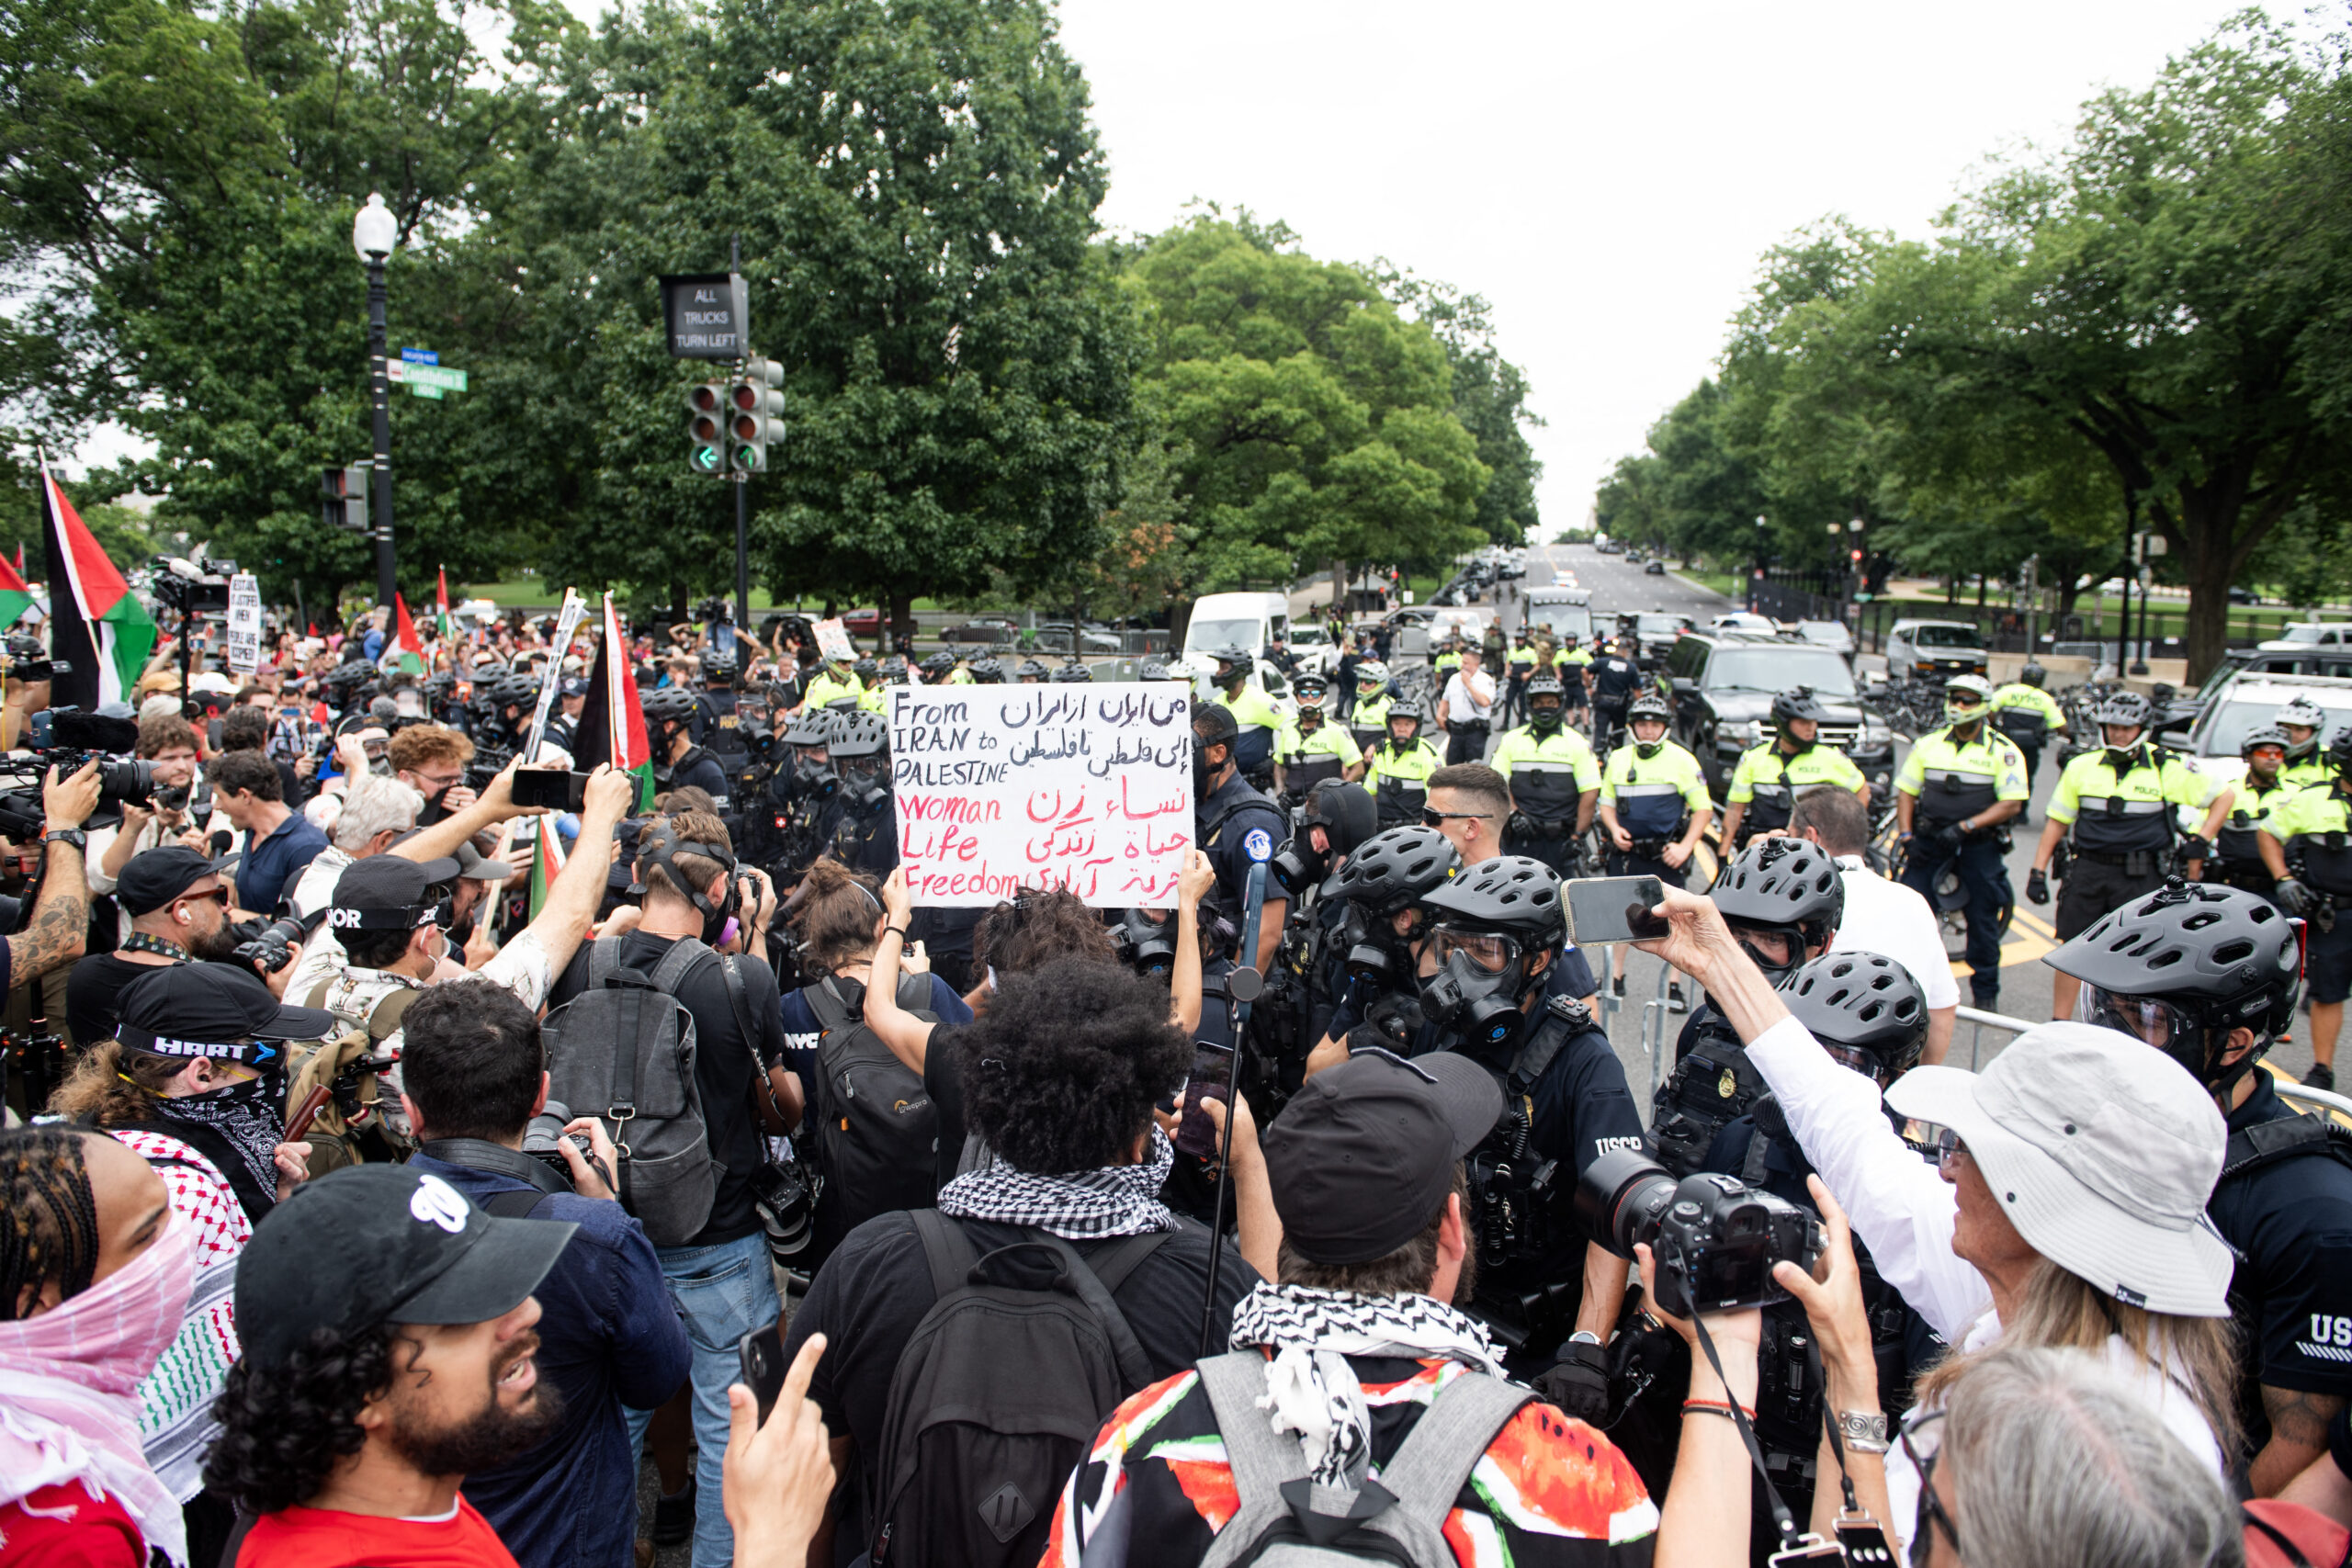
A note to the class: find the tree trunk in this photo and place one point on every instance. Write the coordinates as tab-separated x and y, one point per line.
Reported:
2211	567
677	601
902	619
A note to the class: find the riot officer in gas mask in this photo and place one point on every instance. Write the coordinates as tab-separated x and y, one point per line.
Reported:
1372	967
863	825
1494	932
1302	987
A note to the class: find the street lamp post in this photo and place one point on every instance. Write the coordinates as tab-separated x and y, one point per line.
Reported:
373	233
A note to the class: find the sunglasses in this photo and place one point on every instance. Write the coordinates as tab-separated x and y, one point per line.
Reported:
1923	1440
1432	817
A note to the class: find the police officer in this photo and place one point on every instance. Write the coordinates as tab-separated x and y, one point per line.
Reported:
2240	812
861	825
1494	931
2023	711
1031	672
1783	899
938	667
987	671
678	762
1449	657
959	671
2119	803
1376	949
2302	720
1571	663
1465	708
1368	715
868	676
718	725
1310	747
1072	673
1764	786
800	800
1397	771
563	724
1869	1015
1237	828
1614	679
1554	780
1955	790
1254	713
2207	975
1304	986
836	683
2305	847
1653	808
1522	663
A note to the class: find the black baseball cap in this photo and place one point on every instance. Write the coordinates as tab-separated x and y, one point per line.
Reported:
376	1244
210	1009
1364	1152
387	893
154	877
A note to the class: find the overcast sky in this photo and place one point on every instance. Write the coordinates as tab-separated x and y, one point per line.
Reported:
1607	175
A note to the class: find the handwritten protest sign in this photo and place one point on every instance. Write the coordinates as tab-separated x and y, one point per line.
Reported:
832	640
1001	788
245	623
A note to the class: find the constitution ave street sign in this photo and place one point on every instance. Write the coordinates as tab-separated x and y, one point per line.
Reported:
707	314
423	380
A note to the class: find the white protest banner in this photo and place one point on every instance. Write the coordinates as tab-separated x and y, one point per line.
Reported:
1001	788
245	623
832	641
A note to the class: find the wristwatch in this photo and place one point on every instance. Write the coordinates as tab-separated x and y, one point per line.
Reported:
73	836
1862	1433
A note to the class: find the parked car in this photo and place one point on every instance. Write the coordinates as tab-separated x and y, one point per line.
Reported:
983	629
2241	702
1743	620
1935	649
862	623
1724	683
1054	637
1827	634
1655	569
2310	634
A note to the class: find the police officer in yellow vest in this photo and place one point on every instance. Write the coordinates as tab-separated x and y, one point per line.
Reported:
2120	802
1311	748
2302	720
831	684
1521	664
1397	771
2307	844
1554	780
2023	711
1764	786
1956	789
2243	812
1368	720
868	676
1258	720
1570	663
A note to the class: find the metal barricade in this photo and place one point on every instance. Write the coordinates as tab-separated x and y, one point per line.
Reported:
1654	1043
1983	1020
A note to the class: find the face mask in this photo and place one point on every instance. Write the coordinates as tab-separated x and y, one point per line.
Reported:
867	793
1544	719
1646	750
1472	1003
1956	714
1311	719
1200	771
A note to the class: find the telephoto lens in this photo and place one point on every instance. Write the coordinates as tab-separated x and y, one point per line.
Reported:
787	1204
1715	1239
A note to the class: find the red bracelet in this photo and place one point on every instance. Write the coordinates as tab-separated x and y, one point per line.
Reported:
1718	1406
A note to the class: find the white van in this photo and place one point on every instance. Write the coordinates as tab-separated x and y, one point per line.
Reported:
1244	620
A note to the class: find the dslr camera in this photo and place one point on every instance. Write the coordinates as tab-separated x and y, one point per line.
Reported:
543	1138
27	661
76	739
270	947
1714	1238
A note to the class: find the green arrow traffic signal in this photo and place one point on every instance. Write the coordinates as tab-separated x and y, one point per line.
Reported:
706	427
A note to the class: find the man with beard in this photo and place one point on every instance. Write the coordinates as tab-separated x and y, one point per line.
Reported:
388	1352
179	914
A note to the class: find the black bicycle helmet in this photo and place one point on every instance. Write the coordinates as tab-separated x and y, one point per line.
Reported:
863	733
671	705
1798	702
1409	707
894	669
1394	869
1861	1002
865	670
2225	958
1073	671
2339	751
718	665
1512	895
1783	884
2033	674
938	664
809	727
1030	669
1649	705
987	671
1153	670
2266	735
2122	709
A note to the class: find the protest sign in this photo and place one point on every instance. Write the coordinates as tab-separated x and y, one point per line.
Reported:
832	641
1001	788
245	623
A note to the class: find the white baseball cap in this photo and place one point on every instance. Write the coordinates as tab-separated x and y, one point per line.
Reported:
2103	1152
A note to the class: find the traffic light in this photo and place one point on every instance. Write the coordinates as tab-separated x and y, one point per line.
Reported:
1855	556
342	497
706	427
754	416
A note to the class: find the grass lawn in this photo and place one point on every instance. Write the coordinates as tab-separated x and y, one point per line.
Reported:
537	590
1726	583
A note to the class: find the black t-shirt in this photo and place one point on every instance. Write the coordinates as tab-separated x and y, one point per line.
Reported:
943	1079
2292	1295
876	1288
93	995
725	1065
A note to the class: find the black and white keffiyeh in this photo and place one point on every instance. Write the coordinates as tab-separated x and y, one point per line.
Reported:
1120	1200
240	1114
1310	1388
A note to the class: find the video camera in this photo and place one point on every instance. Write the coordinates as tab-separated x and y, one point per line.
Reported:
27	661
712	608
77	738
199	587
1714	1238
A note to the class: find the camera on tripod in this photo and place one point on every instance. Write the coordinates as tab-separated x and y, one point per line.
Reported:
77	738
27	661
1714	1238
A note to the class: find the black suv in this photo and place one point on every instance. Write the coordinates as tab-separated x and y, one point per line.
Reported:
1724	683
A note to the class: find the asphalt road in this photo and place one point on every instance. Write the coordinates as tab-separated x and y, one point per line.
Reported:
1642	1029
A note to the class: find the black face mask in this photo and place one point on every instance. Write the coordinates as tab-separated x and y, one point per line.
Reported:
1203	770
1544	719
866	791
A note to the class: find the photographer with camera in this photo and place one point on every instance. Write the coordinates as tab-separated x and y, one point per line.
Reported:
178	908
175	813
57	931
431	760
2092	1238
475	1088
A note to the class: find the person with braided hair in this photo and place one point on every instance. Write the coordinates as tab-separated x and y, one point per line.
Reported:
94	1273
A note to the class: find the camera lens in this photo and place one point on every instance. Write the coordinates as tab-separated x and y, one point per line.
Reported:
1622	1198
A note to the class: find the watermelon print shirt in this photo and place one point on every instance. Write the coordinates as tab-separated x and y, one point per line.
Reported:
1155	1489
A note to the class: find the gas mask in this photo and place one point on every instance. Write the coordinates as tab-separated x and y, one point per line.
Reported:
1299	864
863	785
1468	998
1375	953
1310	718
815	778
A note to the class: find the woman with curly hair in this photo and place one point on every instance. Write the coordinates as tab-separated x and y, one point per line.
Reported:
95	1271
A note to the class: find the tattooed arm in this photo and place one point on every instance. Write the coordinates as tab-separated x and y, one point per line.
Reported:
2297	1436
61	917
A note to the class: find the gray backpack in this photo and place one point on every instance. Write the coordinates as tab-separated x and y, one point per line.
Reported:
623	1051
1285	1520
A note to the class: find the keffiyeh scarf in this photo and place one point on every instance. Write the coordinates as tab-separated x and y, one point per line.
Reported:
1120	1200
1310	1389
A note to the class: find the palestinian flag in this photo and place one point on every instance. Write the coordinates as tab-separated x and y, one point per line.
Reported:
412	659
98	625
546	864
441	608
612	725
15	597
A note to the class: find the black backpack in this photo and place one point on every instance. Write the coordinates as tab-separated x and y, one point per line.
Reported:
998	1395
876	1130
